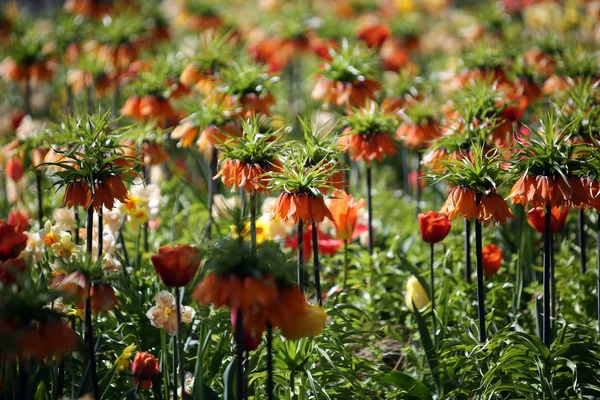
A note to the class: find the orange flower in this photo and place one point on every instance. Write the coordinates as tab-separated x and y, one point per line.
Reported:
493	208
301	208
541	191
237	174
353	94
536	218
434	159
106	191
177	265
492	259
374	35
48	339
154	153
19	220
14	169
102	297
143	369
131	108
75	284
344	210
77	194
369	147
433	226
417	136
253	104
461	201
186	133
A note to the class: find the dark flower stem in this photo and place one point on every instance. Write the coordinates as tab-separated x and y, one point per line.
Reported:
418	188
345	264
269	362
480	287
76	220
547	331
468	271
239	333
146	177
89	230
552	278
89	329
212	188
40	204
300	259
370	209
431	284
582	247
598	230
405	170
253	220
315	244
100	232
60	380
181	356
23	377
347	170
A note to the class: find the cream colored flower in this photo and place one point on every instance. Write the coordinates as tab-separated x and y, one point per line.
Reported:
65	247
50	234
163	314
64	219
35	244
415	293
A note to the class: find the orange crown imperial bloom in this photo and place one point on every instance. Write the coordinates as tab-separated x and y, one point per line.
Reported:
461	201
541	191
433	226
177	265
234	292
75	284
102	297
186	133
492	259
344	210
369	147
106	191
77	194
493	208
238	174
143	369
536	218
52	338
417	136
301	208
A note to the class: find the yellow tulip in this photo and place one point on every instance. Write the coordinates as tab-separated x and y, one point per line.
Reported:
415	293
308	323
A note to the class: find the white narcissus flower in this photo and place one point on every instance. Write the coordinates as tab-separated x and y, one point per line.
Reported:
35	244
65	247
163	314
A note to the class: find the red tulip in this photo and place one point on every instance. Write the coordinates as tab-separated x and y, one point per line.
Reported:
14	169
12	241
143	369
177	265
19	220
434	226
102	297
492	259
537	218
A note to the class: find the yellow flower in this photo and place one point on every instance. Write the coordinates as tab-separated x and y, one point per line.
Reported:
415	293
308	323
50	234
137	208
65	246
406	6
77	313
262	231
122	362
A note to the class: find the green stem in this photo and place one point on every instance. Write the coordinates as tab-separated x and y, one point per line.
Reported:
179	348
345	264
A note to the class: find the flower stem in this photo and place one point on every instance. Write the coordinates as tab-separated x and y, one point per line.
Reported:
418	180
315	244
90	230
598	230
40	204
212	188
582	247
405	170
480	287
100	232
76	223
239	333
269	362
347	170
468	271
370	209
89	337
547	331
253	220
179	347
300	260
146	177
431	284
345	264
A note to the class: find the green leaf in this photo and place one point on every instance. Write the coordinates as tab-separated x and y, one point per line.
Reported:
413	387
427	345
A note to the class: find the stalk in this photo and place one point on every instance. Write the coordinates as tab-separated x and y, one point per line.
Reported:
300	259
239	333
89	329
76	220
468	271
214	159
100	232
598	230
146	177
253	220
40	205
370	209
179	348
405	169
418	188
582	247
347	170
480	287
269	362
431	284
547	330
315	244
345	264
